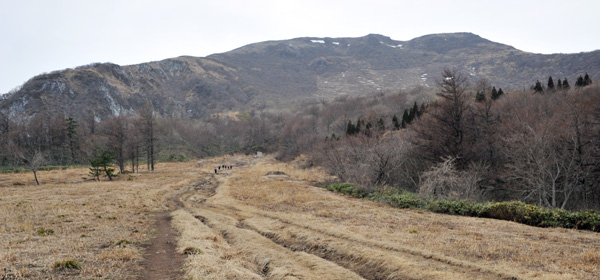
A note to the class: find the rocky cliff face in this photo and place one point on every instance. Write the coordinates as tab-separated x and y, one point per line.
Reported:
283	73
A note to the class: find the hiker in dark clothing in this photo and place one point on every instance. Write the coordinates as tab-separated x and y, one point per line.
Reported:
215	170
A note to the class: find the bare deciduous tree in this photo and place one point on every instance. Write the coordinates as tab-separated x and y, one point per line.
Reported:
116	130
33	159
444	181
147	127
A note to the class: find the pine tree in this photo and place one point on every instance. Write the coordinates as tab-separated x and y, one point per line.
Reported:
71	134
101	161
415	111
480	97
405	118
579	82
380	125
586	80
411	115
550	83
360	124
559	84
538	87
350	128
565	84
497	94
395	122
494	93
368	127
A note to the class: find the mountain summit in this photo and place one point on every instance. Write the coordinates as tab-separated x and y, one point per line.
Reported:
287	72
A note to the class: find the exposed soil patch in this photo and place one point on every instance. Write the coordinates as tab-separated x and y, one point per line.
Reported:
161	260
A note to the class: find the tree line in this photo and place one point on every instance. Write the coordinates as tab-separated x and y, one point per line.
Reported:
472	140
472	143
55	139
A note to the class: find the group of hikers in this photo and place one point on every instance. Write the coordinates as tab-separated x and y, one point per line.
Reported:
218	168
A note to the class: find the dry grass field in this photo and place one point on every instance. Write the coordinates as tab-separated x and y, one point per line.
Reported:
252	222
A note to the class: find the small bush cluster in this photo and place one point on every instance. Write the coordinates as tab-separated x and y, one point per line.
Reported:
68	264
45	231
123	242
515	211
348	189
192	251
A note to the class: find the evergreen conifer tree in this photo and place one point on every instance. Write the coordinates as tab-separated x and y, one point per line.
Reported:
586	80
538	87
422	110
368	127
550	83
350	128
101	161
497	94
71	125
480	96
411	115
405	118
396	122
380	125
565	84
415	111
579	82
559	84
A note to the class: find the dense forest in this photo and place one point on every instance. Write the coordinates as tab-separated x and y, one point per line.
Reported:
472	141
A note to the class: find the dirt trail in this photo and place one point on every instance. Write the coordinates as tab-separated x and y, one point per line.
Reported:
161	260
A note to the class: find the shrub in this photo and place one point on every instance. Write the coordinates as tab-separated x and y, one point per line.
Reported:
45	231
515	211
192	251
348	189
407	200
68	264
123	242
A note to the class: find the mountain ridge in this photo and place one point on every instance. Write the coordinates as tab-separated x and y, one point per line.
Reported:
284	73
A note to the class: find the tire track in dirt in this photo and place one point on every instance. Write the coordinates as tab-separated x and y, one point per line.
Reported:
298	236
368	260
274	260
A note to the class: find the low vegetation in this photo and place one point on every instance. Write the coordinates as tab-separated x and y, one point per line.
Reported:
68	264
515	211
242	223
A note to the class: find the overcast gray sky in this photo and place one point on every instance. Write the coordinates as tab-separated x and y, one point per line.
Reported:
39	36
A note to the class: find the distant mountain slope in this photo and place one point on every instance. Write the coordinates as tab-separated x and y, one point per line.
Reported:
277	74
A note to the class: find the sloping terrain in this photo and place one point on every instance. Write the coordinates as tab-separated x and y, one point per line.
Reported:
283	74
263	220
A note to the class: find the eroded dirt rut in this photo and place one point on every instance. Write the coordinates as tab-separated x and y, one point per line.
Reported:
283	248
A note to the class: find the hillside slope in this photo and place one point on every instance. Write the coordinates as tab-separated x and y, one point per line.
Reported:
283	74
